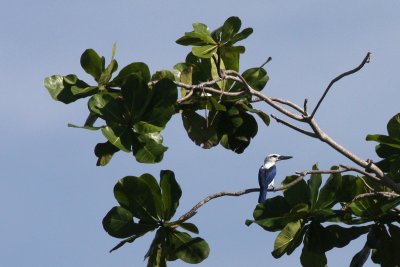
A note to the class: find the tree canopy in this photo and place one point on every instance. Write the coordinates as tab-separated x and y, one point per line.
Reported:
215	101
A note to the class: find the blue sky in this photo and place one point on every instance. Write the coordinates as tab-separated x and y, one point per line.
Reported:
52	195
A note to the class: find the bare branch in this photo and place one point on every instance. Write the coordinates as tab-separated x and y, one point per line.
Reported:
288	103
193	211
278	120
355	169
347	73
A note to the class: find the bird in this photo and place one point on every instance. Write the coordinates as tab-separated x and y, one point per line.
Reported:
266	174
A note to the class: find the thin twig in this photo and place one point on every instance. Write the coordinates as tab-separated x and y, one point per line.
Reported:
347	73
278	120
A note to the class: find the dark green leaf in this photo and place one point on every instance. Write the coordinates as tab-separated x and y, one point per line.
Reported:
136	96
104	152
298	193
373	207
237	129
199	130
123	242
139	69
92	63
361	257
119	223
190	250
171	193
393	126
157	251
107	73
241	35
387	251
155	191
314	183
337	236
327	195
163	74
107	106
135	195
313	254
265	118
257	78
190	227
230	27
161	107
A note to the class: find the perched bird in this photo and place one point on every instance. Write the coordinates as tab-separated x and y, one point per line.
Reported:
267	173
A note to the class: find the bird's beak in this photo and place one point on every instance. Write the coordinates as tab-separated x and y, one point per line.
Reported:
284	157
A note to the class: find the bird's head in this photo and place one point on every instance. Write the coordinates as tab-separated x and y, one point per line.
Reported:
272	158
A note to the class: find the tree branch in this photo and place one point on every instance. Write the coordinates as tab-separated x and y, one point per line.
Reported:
278	120
300	176
347	73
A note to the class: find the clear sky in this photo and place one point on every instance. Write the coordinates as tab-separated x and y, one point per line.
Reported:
52	195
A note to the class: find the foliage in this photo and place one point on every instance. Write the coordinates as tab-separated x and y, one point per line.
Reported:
214	100
146	206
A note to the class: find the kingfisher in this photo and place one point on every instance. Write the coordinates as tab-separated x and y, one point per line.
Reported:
267	173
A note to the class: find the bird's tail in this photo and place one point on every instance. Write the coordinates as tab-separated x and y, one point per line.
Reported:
263	195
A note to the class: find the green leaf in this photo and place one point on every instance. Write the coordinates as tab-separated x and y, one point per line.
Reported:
298	193
148	148
313	254
383	139
231	56
199	130
123	242
387	252
393	126
237	129
104	153
190	250
158	75
276	213
139	69
314	183
310	258
119	223
108	106
155	191
373	207
92	63
290	236
171	193
230	27
189	227
198	37
119	136
206	51
68	89
361	257
257	78
337	236
327	195
157	252
135	195
241	35
264	117
136	96
161	106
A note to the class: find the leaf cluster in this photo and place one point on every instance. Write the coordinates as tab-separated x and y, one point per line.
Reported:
300	214
145	206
